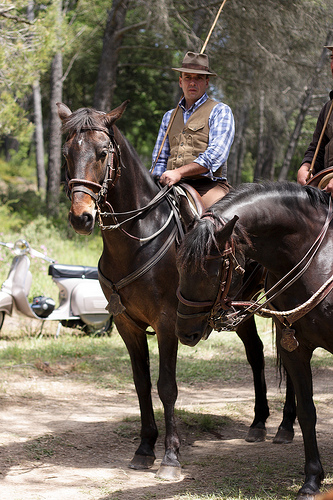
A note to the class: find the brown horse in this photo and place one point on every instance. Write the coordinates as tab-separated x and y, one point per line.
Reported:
286	228
138	270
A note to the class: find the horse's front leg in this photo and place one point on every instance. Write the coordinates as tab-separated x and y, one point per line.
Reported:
167	389
136	343
255	356
298	366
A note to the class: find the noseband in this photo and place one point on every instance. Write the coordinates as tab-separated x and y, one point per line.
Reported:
112	173
222	302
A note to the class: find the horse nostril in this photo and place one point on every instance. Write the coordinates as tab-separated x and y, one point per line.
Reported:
83	223
87	217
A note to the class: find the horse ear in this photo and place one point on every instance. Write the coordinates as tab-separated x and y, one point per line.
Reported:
63	111
223	234
115	114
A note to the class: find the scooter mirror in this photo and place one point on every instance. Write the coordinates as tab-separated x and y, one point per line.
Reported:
21	247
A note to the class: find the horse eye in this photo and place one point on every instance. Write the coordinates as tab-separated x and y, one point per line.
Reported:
103	154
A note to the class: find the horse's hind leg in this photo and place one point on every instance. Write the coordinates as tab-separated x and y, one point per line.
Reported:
285	432
167	389
297	363
136	343
247	332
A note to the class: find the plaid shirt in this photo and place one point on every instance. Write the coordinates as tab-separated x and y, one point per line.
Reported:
221	135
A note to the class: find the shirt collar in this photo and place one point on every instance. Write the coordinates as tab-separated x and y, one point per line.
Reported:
195	105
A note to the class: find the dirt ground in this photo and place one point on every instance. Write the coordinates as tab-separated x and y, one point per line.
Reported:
63	439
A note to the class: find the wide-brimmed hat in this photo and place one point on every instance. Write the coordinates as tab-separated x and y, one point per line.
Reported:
329	47
195	63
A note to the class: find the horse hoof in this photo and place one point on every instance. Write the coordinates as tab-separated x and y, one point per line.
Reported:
306	496
283	437
256	435
141	462
169	473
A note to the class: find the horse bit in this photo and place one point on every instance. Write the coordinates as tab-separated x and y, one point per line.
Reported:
112	174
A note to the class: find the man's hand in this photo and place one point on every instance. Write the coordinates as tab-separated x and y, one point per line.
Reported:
191	170
170	177
302	178
303	172
329	187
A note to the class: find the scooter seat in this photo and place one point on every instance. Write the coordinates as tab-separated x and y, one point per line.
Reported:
69	271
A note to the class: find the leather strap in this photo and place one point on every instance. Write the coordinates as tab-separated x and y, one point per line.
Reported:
142	270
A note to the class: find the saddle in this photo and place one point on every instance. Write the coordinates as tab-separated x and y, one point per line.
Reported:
190	202
321	179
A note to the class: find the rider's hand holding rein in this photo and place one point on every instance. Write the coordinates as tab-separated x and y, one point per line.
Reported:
303	173
170	177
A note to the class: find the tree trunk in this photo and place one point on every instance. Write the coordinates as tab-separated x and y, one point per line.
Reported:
54	166
260	155
236	157
267	169
38	120
107	73
39	140
302	112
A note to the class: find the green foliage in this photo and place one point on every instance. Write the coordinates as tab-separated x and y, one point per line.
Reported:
13	118
248	167
283	44
25	49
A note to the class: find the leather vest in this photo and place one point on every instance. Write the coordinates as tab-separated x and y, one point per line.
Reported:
188	140
328	160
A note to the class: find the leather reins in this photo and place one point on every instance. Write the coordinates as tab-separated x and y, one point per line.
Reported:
99	192
223	303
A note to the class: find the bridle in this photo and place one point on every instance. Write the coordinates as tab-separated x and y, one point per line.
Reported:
112	172
99	193
222	302
227	314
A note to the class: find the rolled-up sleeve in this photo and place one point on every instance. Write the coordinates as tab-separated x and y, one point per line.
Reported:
221	135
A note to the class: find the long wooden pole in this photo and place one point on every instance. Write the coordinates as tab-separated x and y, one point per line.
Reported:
212	27
176	109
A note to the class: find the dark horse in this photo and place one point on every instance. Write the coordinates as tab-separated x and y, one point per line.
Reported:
286	228
137	269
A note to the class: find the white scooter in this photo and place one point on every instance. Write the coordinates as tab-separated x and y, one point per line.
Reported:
81	300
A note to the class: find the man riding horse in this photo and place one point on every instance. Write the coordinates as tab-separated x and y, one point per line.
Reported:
319	155
195	138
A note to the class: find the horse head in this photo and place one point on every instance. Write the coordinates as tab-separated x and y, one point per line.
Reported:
205	277
89	150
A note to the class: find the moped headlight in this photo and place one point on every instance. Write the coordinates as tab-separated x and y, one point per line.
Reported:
21	247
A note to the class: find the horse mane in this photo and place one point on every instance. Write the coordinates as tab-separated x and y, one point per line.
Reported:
284	188
200	241
83	118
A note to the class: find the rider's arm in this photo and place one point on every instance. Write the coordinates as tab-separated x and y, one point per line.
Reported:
170	177
221	135
302	174
309	153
